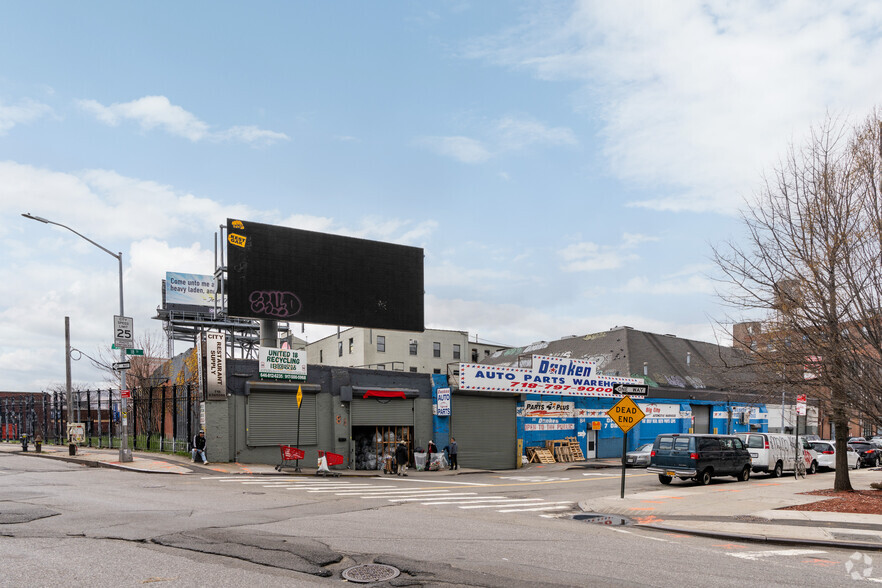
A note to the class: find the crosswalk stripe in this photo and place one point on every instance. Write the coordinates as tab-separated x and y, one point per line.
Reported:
755	555
343	488
498	503
371	491
428	497
536	509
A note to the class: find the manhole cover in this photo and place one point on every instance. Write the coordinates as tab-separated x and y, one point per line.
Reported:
367	573
609	520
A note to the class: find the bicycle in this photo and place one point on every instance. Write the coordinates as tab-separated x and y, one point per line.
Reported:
799	470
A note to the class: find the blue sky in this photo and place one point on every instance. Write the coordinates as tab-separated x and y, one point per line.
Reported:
565	166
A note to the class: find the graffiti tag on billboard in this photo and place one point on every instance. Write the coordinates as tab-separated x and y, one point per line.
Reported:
275	303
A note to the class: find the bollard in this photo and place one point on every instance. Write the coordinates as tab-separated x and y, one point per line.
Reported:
38	443
24	442
72	449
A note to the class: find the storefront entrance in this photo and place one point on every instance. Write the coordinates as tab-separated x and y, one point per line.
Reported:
378	425
591	444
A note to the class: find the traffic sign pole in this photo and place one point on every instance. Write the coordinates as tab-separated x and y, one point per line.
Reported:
625	413
624	451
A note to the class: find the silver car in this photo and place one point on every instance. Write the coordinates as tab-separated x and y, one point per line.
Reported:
640	456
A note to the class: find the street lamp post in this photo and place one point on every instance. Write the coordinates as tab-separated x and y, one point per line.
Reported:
125	454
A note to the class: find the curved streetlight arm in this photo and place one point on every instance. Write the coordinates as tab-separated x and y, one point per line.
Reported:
49	222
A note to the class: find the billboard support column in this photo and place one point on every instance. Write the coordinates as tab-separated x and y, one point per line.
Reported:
269	333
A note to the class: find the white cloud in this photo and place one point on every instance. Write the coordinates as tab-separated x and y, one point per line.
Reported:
519	133
157	111
698	97
587	256
463	149
516	325
22	113
508	134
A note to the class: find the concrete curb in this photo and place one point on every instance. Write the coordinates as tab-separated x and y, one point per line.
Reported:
765	538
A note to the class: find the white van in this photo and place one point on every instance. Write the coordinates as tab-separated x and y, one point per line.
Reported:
774	453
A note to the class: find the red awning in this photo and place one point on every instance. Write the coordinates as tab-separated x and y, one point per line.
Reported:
383	394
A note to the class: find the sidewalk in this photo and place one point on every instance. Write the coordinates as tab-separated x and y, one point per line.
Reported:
166	463
748	511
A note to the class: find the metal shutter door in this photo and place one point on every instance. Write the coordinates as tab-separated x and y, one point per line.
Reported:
702	415
388	412
485	430
272	419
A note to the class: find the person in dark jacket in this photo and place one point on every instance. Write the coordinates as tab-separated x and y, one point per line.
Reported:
453	450
401	459
199	447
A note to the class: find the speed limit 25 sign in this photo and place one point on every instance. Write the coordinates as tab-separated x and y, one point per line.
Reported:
123	328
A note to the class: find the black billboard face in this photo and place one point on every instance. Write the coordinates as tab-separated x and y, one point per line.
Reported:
294	275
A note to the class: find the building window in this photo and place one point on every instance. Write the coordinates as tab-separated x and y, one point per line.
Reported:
436	349
456	351
486	353
339	348
381	344
455	372
413	370
413	347
381	366
321	356
436	371
351	345
474	355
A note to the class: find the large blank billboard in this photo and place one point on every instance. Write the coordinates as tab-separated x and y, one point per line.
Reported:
295	275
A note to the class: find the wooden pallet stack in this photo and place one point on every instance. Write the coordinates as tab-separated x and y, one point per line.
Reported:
540	455
560	450
575	449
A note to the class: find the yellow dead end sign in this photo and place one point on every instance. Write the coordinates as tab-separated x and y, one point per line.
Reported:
299	397
625	413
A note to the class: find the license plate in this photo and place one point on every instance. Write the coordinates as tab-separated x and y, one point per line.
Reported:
752	454
671	474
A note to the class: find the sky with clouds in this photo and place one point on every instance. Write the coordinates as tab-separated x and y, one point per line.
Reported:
565	165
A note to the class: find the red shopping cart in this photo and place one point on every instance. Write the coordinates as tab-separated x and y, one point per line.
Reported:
289	454
327	459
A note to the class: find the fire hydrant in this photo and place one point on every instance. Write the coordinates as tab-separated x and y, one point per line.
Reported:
38	443
24	442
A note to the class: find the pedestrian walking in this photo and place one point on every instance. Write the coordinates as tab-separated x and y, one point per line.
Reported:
401	458
453	450
199	447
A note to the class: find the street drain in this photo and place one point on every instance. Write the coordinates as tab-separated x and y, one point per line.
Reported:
609	520
367	573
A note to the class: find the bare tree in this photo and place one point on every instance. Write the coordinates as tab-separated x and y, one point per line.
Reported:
145	371
809	266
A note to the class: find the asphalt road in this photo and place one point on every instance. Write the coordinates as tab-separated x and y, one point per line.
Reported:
67	524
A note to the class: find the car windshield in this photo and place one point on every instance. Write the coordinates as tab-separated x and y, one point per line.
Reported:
645	447
822	447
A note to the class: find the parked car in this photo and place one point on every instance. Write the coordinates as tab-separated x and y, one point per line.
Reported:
775	454
811	438
857	440
868	453
640	456
877	441
699	457
827	455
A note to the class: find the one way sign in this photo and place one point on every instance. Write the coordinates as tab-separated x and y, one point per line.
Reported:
630	389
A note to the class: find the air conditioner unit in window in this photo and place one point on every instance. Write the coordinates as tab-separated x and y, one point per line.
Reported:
412	341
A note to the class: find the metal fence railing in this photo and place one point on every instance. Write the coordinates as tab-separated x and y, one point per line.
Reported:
162	418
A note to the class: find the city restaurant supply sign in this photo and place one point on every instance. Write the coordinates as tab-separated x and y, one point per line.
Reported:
556	376
281	364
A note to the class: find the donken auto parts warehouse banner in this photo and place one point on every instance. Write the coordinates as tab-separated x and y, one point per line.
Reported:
549	375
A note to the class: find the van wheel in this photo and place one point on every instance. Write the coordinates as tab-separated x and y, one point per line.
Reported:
744	475
813	469
779	469
704	478
664	479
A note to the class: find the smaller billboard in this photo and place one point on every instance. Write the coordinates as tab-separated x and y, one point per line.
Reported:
189	291
281	364
443	401
215	366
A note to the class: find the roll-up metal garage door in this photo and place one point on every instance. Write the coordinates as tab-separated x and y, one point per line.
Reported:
272	419
485	429
384	411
